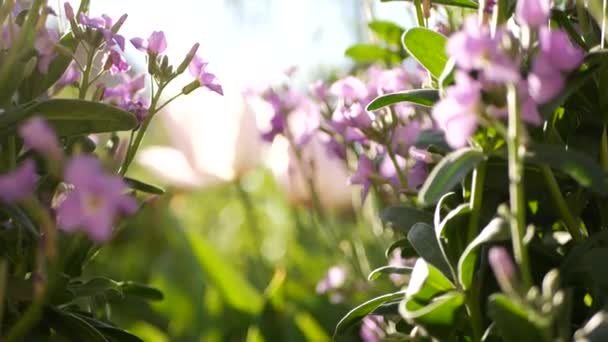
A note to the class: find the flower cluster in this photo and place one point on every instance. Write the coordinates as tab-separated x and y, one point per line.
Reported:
487	62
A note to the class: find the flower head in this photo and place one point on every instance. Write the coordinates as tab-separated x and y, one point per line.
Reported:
349	88
70	76
104	25
155	44
363	175
206	79
19	183
38	136
533	13
95	200
116	62
45	46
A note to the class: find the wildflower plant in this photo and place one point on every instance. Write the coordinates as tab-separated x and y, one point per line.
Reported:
63	189
505	136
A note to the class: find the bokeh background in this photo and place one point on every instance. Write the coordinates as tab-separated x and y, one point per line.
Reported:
238	257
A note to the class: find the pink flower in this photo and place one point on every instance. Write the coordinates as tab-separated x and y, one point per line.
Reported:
208	80
156	43
95	200
533	13
19	183
38	136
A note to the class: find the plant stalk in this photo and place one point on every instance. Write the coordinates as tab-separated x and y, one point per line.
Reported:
517	218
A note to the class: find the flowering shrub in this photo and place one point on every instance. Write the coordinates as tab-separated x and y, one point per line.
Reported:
486	151
62	184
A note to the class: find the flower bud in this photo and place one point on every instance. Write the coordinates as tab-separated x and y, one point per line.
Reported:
189	57
533	13
69	11
503	268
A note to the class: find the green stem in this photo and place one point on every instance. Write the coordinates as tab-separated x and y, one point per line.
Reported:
560	204
604	150
419	14
141	131
517	218
84	86
479	176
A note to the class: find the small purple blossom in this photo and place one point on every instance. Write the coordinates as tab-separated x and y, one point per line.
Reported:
116	62
533	13
363	174
417	174
19	183
334	279
69	11
557	49
372	328
456	114
404	136
320	90
45	46
208	80
356	116
95	200
38	136
104	26
70	76
155	44
388	170
127	90
351	89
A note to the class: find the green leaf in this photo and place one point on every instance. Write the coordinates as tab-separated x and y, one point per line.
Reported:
457	3
134	289
428	48
451	232
354	316
427	282
440	313
96	286
582	168
423	97
516	322
448	173
432	137
144	187
369	53
235	289
423	239
406	248
375	274
71	117
37	83
496	230
112	333
387	31
387	309
404	217
72	327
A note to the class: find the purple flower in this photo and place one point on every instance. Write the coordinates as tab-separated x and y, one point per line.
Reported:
362	176
139	109
45	46
156	43
208	80
404	136
456	114
544	82
277	126
19	183
95	200
70	76
372	328
558	51
474	48
127	90
116	62
417	175
319	90
420	155
38	136
388	170
334	279
349	88
503	267
104	26
533	13
356	116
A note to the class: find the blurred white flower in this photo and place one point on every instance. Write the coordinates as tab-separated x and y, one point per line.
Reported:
329	173
214	139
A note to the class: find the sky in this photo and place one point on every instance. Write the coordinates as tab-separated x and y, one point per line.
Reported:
250	41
